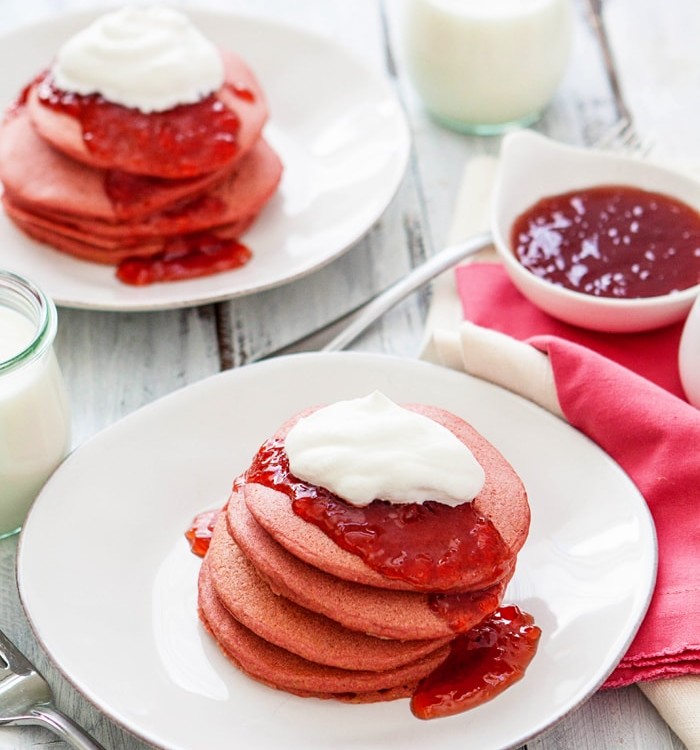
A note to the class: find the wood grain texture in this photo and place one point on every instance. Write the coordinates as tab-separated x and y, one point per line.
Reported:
115	363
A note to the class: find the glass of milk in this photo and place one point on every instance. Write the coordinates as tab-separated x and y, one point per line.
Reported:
34	413
485	66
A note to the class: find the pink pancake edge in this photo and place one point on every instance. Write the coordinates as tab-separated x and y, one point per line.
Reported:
381	612
227	209
306	633
283	670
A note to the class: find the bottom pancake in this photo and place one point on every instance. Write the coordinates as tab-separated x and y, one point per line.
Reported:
281	669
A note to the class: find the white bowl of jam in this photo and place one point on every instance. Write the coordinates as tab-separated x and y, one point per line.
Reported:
598	240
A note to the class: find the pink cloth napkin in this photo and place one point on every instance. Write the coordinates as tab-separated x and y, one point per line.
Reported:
490	299
649	430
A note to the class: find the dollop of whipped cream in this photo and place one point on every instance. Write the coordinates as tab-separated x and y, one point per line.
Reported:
371	448
147	58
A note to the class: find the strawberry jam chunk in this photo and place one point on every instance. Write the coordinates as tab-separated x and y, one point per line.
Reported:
428	545
481	664
186	140
200	531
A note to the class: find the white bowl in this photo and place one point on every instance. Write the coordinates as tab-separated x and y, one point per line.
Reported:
534	167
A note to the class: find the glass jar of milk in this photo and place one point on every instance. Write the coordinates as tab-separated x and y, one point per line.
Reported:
483	66
34	414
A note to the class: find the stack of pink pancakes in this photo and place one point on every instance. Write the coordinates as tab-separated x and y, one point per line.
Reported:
298	612
107	183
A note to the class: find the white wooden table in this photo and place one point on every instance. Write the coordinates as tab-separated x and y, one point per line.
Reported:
115	363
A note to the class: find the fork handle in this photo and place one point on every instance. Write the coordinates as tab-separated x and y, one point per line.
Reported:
428	270
61	725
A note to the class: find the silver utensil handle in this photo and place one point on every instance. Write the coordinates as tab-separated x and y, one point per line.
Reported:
61	725
420	275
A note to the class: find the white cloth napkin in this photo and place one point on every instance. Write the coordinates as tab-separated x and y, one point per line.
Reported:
517	366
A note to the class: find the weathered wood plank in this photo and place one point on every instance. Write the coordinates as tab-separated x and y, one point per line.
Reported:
114	363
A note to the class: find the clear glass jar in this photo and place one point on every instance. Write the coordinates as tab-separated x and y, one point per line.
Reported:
484	66
34	412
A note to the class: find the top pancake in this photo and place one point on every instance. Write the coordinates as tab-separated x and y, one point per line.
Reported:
502	499
64	132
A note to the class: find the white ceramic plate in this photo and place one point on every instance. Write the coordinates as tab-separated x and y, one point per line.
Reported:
109	583
336	124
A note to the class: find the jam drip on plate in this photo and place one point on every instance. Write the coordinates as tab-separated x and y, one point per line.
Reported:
428	545
190	138
185	257
611	241
481	664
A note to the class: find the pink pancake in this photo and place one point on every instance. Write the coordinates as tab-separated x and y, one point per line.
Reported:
380	612
228	207
242	193
108	256
281	669
308	634
43	179
503	500
65	132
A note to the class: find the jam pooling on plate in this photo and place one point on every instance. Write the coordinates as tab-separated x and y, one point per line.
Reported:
428	545
481	664
190	138
611	241
185	257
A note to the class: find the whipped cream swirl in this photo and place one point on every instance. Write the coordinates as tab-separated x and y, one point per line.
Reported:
147	58
370	448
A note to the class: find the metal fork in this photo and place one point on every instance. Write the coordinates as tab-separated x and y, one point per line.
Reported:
622	137
26	698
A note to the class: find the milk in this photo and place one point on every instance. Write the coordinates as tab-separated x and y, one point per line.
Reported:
34	415
482	66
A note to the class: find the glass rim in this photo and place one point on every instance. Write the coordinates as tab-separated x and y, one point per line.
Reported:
46	322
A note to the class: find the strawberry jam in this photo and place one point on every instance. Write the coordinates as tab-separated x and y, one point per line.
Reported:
185	257
461	610
611	241
183	141
126	190
200	531
429	545
481	664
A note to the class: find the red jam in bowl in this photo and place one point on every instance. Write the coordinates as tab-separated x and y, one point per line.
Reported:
611	241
